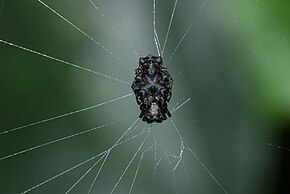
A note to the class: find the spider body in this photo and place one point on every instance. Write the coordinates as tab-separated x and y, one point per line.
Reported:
153	89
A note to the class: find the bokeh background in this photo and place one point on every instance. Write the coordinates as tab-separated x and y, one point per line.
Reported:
234	64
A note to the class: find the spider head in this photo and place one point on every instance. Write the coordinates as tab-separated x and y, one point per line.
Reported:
151	64
155	60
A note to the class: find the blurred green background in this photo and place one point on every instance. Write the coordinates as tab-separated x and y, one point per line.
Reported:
233	64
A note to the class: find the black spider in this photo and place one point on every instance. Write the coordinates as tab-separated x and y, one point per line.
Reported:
153	89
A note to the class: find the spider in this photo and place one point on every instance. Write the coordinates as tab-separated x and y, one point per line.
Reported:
152	86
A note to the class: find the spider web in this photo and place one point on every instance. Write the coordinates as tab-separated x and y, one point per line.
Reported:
70	116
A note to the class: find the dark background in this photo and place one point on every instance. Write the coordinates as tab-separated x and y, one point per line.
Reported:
234	65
